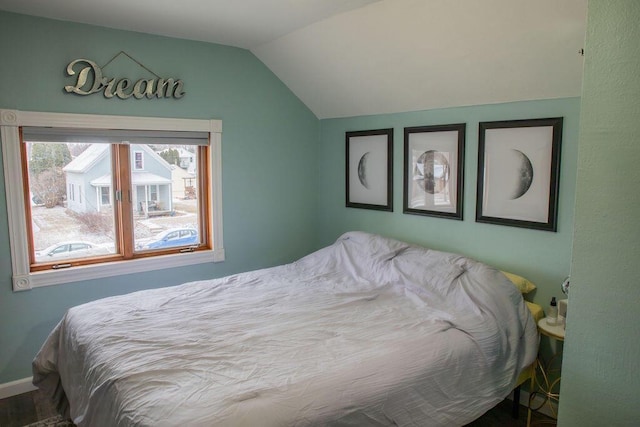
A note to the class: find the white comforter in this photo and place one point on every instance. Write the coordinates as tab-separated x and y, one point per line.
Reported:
368	331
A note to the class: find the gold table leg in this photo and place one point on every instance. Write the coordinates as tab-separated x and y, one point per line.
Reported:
545	388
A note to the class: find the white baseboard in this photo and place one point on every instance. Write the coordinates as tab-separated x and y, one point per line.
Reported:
17	387
538	401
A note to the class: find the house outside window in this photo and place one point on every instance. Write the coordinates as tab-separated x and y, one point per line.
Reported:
126	164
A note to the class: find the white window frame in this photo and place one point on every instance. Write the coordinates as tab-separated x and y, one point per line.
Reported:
22	278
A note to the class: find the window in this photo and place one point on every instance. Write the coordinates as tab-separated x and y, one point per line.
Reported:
129	198
138	162
105	196
153	193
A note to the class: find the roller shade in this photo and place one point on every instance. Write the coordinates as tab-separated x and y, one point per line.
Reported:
110	136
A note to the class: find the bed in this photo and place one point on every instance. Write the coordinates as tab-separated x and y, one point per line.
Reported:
368	331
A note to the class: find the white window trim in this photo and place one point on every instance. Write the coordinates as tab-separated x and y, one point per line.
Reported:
23	279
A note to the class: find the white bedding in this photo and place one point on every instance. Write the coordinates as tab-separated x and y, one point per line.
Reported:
367	331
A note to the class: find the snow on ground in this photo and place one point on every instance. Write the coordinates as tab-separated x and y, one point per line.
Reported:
55	225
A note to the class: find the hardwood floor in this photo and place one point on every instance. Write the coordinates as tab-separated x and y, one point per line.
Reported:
500	416
23	409
28	408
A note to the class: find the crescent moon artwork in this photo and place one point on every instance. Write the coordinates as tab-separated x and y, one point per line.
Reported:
362	170
431	171
524	177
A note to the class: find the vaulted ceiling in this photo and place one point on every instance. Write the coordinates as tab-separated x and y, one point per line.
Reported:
358	57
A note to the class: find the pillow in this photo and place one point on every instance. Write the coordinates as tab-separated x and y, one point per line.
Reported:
523	285
535	310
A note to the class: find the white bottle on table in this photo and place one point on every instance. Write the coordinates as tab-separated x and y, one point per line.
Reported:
552	314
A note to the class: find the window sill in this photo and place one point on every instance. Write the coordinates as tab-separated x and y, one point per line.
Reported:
97	271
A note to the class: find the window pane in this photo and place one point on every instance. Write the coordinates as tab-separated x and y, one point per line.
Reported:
166	211
138	163
105	195
68	217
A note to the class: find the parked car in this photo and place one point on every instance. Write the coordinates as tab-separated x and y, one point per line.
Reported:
75	249
171	238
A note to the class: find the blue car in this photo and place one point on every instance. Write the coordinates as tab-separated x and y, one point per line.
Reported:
172	238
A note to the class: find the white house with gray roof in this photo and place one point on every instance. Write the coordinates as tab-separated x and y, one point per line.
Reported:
186	159
90	187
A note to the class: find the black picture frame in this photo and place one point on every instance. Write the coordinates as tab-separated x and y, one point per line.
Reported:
369	169
438	191
519	173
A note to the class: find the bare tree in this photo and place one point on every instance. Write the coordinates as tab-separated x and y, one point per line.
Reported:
49	186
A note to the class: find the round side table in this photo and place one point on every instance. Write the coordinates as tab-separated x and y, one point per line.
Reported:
545	383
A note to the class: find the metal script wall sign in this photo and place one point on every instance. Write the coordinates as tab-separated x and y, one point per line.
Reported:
90	79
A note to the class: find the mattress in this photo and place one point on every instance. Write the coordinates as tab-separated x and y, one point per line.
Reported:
367	331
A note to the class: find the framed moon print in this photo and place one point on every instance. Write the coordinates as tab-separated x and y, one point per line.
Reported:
433	170
518	173
369	174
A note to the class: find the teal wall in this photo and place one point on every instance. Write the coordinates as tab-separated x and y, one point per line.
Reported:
269	145
541	256
601	366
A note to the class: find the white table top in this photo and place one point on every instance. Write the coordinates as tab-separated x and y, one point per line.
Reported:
553	331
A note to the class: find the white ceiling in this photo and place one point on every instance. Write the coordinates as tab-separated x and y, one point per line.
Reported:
359	57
